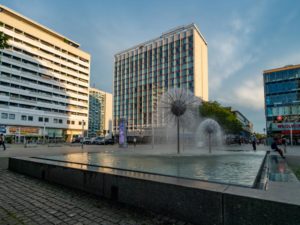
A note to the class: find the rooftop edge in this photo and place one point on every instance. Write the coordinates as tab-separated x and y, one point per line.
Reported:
169	32
73	43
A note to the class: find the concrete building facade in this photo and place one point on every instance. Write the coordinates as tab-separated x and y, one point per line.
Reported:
176	59
282	102
44	81
100	113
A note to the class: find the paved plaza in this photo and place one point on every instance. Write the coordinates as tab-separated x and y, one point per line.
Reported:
26	200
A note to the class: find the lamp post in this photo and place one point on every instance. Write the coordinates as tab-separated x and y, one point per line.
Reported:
152	129
291	134
82	134
266	135
44	133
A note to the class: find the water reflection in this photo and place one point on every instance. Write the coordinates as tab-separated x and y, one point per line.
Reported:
239	169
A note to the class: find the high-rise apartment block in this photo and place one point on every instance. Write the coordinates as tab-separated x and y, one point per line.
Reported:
100	113
44	81
178	58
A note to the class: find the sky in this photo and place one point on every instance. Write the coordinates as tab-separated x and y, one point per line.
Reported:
244	38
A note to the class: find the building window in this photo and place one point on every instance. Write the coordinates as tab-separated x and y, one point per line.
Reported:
12	116
30	118
79	122
46	120
23	117
40	119
73	122
4	115
68	121
55	120
60	121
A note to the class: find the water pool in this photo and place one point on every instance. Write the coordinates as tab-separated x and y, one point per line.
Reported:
236	168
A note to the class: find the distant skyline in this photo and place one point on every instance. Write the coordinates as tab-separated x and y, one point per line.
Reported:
244	38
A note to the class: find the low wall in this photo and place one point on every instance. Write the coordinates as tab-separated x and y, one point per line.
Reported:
194	201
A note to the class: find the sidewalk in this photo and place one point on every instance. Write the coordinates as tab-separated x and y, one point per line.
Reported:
29	201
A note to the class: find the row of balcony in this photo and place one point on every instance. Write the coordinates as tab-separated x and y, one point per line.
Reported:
39	44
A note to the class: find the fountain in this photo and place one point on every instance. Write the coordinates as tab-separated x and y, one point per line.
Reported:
209	133
179	107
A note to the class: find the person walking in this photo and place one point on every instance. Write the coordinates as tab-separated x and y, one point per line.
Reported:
134	142
254	142
2	141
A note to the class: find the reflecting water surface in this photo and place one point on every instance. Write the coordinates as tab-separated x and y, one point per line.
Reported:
239	169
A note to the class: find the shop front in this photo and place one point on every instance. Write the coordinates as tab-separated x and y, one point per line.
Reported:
289	131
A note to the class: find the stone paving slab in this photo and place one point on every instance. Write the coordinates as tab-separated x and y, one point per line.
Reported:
25	200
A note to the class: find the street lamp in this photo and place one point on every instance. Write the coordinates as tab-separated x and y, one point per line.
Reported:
152	129
82	134
265	136
44	133
291	134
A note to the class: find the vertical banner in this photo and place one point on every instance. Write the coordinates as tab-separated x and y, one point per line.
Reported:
123	133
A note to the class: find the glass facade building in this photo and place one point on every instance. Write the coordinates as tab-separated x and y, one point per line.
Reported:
282	102
178	58
100	113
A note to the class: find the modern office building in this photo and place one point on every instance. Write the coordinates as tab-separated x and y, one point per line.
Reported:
44	82
178	58
282	102
100	113
246	124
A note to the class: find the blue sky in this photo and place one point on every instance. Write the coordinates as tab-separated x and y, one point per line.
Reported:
244	38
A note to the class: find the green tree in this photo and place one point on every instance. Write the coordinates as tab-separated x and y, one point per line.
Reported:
3	40
222	115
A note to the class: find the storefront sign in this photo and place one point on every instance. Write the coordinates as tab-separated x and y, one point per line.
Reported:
24	130
285	126
288	132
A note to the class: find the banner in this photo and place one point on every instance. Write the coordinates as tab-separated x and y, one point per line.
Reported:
123	132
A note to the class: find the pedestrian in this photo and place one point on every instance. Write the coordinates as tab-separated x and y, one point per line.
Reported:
2	141
283	142
275	147
134	142
254	142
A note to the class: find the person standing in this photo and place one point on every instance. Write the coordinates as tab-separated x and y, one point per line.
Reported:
254	142
2	141
134	142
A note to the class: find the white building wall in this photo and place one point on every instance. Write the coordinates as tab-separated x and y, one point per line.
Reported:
41	77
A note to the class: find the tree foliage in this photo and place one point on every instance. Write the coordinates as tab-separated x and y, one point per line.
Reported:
222	115
3	40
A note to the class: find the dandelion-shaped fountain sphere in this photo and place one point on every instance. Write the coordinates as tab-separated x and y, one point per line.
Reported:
179	106
211	129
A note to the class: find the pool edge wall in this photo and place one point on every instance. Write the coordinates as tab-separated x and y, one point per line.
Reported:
222	204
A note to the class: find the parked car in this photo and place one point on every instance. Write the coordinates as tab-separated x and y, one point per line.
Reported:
87	141
76	140
98	141
109	141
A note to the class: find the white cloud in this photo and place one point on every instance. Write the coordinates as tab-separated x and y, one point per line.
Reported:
232	48
250	94
283	60
230	53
